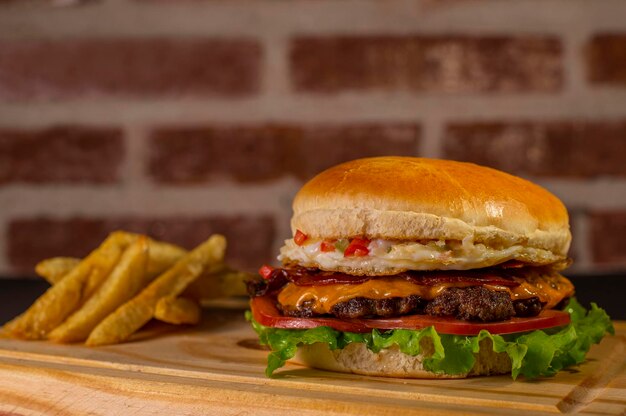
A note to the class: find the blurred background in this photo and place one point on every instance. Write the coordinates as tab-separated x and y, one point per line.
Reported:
183	118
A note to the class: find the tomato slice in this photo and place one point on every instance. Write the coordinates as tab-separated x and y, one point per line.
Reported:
300	237
265	312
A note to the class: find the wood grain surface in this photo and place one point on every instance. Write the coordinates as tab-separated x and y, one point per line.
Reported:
217	368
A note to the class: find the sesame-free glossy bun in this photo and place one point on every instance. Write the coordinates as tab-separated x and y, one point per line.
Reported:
406	198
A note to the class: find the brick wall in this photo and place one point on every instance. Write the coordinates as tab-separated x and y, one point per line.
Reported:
184	118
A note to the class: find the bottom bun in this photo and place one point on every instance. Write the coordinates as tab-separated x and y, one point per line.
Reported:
356	358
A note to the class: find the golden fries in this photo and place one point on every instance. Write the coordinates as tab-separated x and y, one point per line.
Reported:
162	257
131	316
233	283
126	281
50	309
177	311
55	269
224	282
128	276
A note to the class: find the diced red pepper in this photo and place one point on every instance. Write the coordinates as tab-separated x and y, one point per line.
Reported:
357	248
300	237
360	241
327	246
265	271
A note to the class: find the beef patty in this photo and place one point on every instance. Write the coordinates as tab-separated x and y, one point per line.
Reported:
485	295
474	303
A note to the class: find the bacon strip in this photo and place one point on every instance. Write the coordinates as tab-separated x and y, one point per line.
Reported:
301	276
315	277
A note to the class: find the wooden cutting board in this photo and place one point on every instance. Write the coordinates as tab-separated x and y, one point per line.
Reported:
218	369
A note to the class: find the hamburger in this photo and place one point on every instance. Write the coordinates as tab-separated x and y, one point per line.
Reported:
424	268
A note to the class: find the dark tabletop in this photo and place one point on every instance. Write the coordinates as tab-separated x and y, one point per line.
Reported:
608	291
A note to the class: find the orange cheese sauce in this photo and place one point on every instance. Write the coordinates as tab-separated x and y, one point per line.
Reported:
549	288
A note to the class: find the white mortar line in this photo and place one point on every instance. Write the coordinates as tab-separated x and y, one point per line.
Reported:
574	61
432	138
135	162
601	104
275	67
127	19
68	201
581	240
4	255
272	198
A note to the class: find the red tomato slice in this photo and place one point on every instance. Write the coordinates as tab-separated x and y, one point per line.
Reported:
357	248
327	246
265	271
300	237
265	312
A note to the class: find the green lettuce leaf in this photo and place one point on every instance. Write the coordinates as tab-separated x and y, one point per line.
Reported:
533	354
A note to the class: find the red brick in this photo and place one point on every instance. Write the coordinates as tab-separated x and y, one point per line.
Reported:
607	231
325	146
191	155
250	238
606	59
264	152
558	148
61	154
69	68
427	63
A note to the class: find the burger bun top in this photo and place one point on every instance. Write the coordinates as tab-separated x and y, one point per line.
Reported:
409	199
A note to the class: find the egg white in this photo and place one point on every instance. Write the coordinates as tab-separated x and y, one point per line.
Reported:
387	257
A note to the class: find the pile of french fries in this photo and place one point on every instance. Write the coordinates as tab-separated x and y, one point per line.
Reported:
121	285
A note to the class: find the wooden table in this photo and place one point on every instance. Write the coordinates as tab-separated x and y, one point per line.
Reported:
218	369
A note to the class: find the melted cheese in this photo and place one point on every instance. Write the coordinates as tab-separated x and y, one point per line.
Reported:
550	288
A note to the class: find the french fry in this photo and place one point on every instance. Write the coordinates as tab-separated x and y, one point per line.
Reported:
225	282
177	311
126	279
233	283
59	301
55	269
124	240
162	257
131	316
165	255
205	284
